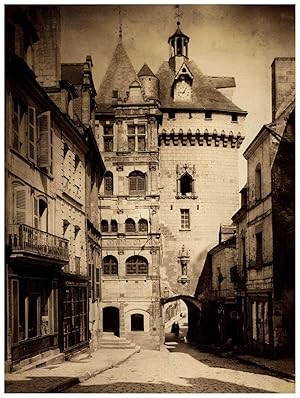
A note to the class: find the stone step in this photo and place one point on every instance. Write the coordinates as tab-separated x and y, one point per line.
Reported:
32	363
116	346
109	341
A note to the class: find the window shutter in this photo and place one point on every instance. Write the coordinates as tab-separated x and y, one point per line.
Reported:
15	123
31	134
35	213
44	139
20	205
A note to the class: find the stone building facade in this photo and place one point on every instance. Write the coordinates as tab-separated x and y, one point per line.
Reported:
46	225
265	226
170	145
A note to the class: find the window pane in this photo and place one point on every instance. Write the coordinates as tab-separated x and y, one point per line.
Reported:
108	130
143	226
108	184
185	219
141	129
114	226
141	183
141	144
129	226
137	322
104	226
131	143
130	130
108	144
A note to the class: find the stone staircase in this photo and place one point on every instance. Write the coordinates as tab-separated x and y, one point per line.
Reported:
110	341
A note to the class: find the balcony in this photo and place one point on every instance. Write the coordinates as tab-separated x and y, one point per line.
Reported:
27	242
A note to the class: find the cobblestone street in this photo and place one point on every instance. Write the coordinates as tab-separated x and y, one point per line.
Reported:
180	368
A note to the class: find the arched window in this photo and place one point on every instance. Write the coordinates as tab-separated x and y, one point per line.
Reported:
137	322
143	225
110	265
104	226
114	226
136	265
129	225
137	183
186	184
258	182
108	183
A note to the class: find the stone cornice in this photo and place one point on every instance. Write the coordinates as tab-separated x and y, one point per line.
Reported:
197	137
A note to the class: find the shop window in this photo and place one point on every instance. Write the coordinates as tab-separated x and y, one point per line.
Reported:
108	183
137	183
104	226
137	322
185	218
110	265
143	225
129	225
136	265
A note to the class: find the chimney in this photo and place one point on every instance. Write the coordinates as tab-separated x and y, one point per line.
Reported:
283	82
47	60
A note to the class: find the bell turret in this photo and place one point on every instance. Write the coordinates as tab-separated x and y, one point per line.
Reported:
178	45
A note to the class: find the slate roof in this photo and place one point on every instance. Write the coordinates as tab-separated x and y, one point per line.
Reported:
204	93
119	75
222	82
146	71
72	72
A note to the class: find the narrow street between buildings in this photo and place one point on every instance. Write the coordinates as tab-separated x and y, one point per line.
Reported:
181	368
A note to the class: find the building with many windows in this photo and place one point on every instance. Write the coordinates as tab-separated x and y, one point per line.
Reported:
50	156
265	225
170	146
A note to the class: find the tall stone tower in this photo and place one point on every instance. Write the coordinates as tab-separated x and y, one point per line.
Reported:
199	137
170	145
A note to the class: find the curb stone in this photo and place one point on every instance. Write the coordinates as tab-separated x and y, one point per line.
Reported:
72	381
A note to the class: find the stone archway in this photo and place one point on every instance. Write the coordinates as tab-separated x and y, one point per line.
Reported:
194	313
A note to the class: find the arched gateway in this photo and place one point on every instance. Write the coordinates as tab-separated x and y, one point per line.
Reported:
194	313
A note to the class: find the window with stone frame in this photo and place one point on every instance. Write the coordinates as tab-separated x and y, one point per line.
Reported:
259	249
136	265
137	183
104	226
186	185
114	226
185	218
108	138
129	225
136	137
143	225
108	183
110	265
258	193
137	322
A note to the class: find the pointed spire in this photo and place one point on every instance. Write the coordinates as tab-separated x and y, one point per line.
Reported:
120	23
145	71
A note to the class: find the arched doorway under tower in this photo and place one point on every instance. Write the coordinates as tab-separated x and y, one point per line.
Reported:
111	320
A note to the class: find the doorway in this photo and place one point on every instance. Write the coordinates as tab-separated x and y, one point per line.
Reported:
111	320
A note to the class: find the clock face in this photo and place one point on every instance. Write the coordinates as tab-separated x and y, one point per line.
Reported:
183	91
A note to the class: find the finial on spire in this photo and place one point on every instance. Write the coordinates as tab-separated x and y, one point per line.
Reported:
178	14
120	22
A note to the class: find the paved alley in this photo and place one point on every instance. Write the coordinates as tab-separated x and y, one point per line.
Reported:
180	368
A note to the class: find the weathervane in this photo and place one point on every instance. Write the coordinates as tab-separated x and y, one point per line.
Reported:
178	14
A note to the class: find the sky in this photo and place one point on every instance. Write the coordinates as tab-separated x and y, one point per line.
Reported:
225	40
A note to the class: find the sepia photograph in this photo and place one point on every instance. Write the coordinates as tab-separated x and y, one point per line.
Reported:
149	156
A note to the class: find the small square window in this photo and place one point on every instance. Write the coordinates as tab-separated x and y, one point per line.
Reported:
234	117
208	114
171	115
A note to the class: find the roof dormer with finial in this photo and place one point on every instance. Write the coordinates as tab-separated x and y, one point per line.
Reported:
178	45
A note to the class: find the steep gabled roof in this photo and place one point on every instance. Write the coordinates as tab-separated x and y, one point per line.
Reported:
204	93
119	75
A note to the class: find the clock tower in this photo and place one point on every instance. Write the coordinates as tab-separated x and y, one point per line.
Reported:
178	47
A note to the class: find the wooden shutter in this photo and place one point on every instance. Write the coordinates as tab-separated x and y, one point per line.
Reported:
15	123
20	205
44	139
35	213
31	134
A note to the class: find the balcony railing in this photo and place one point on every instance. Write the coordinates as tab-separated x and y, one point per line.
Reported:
21	237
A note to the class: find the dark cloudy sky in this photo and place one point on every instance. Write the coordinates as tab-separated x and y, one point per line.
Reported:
225	40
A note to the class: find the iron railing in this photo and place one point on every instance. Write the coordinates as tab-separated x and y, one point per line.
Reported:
22	237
